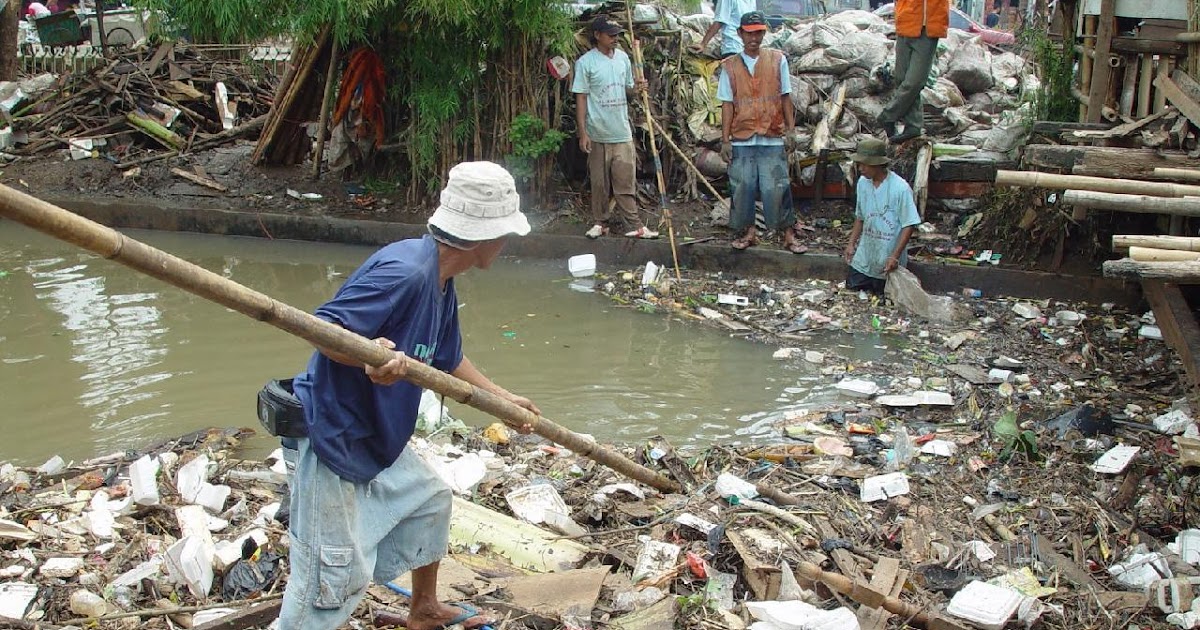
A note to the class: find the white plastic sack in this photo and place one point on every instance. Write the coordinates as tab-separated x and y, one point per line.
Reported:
857	86
942	95
798	41
802	94
861	49
866	108
820	60
970	68
862	20
829	33
1007	65
1011	131
904	289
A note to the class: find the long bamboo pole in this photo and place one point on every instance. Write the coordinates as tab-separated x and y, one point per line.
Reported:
1099	184
640	74
1142	204
1187	272
1150	254
1181	174
1177	243
111	244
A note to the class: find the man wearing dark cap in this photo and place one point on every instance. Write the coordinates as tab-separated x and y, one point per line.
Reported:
885	216
603	84
757	120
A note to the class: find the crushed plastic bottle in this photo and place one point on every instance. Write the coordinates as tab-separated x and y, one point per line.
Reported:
902	449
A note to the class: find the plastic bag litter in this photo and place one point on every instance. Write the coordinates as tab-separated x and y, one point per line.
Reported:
857	86
254	573
970	68
1007	65
904	289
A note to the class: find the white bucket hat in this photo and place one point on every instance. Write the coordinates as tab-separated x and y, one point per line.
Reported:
480	203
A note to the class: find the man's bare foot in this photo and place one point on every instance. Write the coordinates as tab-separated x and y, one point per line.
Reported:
446	616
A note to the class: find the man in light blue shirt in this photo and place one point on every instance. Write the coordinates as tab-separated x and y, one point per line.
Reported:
885	216
726	21
602	85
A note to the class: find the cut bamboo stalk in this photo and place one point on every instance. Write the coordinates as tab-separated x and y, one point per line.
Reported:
326	106
1186	272
1149	254
111	244
1182	174
1101	70
688	161
1085	64
921	177
1035	179
157	131
1128	85
1141	204
1164	73
1173	243
1145	80
824	131
1188	38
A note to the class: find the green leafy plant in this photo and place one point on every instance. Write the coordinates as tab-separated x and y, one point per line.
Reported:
1056	67
530	141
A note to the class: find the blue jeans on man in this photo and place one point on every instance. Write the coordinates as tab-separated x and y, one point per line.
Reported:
760	172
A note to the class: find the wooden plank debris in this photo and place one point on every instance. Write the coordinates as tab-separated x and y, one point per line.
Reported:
199	179
889	578
1101	71
1187	272
1178	325
254	616
552	597
1180	99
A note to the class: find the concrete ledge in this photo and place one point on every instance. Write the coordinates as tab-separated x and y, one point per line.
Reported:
992	281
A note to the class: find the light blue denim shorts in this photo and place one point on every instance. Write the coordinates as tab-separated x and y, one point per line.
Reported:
343	534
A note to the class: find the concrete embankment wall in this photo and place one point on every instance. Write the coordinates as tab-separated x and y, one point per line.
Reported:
610	252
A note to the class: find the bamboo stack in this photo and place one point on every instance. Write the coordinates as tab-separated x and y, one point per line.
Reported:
284	140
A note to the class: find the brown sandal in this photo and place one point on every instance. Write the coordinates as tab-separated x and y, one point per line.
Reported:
795	248
744	242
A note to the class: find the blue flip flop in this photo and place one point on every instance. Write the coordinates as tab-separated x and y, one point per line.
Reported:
468	612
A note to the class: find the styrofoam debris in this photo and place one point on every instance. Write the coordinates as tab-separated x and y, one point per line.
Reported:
629	488
732	300
147	569
784	354
143	479
1141	570
812	356
1150	332
53	466
799	615
15	597
532	503
1116	459
1187	545
695	522
857	388
655	557
1173	422
941	448
88	604
986	605
61	567
190	562
884	487
982	550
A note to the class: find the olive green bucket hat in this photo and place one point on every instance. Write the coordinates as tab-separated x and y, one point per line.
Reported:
871	151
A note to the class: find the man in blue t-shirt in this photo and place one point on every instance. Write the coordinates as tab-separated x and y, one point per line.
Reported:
885	216
362	505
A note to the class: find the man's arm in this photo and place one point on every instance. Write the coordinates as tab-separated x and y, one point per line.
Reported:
852	245
585	142
893	261
712	31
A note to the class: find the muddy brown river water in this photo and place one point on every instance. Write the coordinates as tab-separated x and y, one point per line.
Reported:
95	357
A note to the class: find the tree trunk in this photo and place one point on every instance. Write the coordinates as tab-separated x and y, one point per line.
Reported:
9	18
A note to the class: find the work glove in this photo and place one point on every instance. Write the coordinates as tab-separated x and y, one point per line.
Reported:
727	151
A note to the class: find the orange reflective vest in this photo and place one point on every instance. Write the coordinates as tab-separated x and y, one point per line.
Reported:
757	105
913	15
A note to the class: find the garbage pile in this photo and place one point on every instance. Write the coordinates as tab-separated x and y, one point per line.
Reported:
144	102
1030	463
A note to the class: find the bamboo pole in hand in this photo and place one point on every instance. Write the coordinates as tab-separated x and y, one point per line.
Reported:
111	244
688	161
640	75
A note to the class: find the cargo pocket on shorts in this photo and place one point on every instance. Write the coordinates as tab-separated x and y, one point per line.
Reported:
336	572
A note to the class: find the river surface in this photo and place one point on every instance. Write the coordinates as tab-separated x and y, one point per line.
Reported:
95	357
